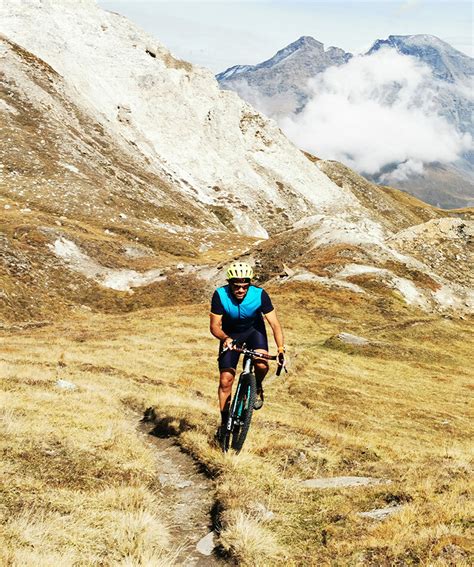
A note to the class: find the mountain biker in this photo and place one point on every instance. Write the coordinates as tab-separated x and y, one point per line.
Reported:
237	314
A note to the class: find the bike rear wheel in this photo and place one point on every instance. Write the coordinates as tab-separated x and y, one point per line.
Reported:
243	409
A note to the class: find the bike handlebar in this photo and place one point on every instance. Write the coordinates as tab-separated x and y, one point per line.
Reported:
255	354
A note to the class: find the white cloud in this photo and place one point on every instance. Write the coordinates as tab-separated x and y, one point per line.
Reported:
377	111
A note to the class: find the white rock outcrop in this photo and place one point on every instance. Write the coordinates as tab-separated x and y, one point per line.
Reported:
197	148
210	142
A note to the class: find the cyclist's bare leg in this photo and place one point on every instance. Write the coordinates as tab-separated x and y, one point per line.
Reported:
226	379
261	367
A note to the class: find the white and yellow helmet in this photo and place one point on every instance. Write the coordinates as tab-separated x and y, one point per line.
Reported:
239	270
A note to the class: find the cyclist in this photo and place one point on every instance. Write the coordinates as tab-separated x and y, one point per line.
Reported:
237	314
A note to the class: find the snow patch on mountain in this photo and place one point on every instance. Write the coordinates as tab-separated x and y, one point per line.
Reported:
305	276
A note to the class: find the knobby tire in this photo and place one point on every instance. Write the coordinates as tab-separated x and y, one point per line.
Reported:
245	398
225	441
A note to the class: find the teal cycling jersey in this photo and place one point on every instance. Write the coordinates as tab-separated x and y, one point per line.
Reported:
244	315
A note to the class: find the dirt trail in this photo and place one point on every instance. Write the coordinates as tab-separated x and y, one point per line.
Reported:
190	495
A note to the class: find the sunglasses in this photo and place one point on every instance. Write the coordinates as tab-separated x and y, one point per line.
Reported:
236	285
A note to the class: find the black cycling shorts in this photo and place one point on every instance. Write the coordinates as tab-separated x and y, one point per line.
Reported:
252	338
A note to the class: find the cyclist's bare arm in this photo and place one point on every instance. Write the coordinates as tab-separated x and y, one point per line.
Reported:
216	330
276	328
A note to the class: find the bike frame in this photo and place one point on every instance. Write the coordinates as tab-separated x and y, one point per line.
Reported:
248	364
235	413
241	407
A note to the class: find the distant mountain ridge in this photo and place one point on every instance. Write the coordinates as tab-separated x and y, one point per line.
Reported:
130	179
279	88
447	63
283	77
305	44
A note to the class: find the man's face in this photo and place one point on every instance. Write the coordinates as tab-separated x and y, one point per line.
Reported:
239	287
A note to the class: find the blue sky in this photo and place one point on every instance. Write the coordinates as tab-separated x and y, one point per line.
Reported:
223	33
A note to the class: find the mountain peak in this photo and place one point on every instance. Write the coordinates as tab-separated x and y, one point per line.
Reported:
296	63
306	45
306	41
447	63
417	40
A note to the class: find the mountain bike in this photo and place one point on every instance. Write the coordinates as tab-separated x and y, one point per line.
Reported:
241	407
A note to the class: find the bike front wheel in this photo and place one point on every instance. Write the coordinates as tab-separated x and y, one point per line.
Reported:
243	409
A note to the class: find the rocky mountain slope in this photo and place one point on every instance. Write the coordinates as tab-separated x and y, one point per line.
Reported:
422	255
129	179
281	87
210	143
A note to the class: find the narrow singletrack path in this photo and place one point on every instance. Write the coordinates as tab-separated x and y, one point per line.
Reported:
190	496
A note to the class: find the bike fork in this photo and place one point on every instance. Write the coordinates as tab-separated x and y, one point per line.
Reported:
230	421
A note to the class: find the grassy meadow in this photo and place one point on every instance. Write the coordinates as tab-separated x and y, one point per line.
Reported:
79	485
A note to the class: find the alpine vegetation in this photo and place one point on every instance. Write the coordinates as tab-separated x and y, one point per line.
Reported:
129	183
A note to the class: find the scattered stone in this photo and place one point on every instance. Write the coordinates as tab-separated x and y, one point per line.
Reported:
69	167
263	512
288	271
343	481
381	513
50	452
124	114
65	385
206	544
172	480
353	344
164	479
7	207
352	339
183	483
22	326
122	215
136	252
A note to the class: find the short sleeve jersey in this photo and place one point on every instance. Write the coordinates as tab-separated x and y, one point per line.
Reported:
241	316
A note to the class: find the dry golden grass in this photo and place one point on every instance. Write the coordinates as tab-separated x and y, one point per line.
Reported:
78	483
80	486
424	210
248	540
